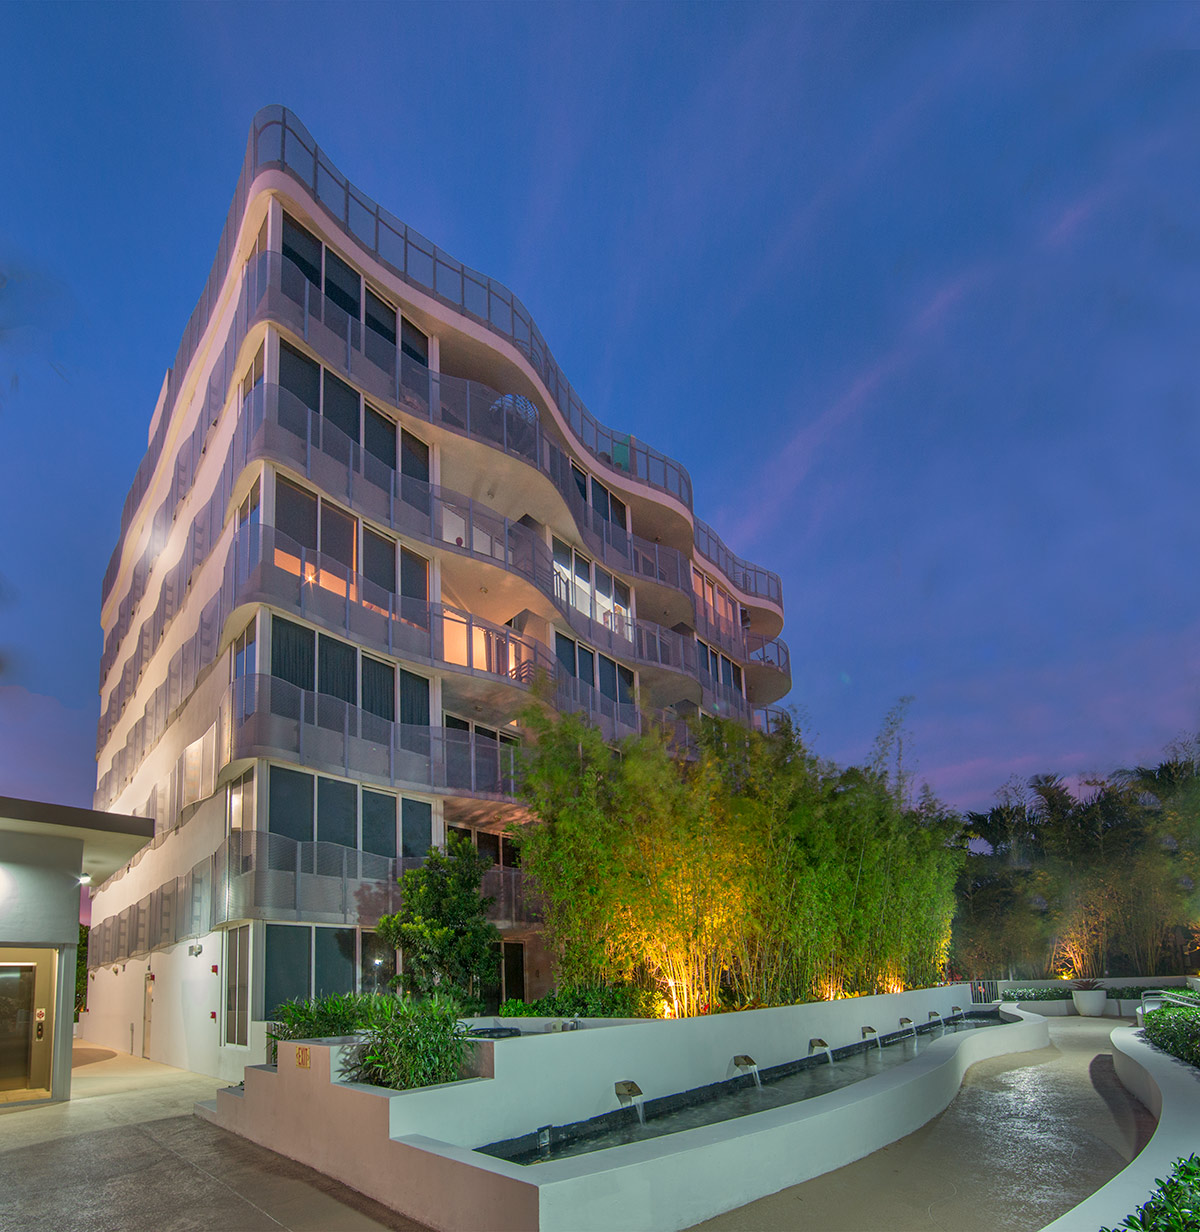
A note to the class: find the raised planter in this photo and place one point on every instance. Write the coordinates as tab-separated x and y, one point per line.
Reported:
1090	1003
413	1150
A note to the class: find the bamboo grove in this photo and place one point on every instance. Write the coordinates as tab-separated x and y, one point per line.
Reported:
746	872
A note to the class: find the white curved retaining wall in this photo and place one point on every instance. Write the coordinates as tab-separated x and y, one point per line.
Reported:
1170	1088
411	1150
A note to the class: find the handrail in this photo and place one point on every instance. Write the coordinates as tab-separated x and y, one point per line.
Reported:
1172	997
419	511
278	140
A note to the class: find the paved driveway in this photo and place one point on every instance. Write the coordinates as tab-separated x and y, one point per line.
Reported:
127	1155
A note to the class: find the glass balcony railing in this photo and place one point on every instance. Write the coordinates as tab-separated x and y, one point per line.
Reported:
278	140
255	875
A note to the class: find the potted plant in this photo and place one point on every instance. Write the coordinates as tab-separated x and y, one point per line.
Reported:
1090	998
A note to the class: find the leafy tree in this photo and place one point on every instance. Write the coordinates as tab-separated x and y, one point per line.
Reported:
442	930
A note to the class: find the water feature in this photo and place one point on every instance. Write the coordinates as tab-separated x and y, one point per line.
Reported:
747	1065
749	1092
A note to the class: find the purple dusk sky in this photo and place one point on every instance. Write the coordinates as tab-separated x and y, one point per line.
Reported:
913	291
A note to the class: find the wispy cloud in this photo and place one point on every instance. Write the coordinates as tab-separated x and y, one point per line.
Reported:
778	481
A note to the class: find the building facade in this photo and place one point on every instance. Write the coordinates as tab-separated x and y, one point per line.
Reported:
372	516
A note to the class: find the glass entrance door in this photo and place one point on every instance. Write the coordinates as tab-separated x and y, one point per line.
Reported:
16	1025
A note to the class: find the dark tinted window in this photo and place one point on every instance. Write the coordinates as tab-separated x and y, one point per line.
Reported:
616	512
296	513
413	342
381	317
416	828
287	959
564	647
414	576
624	685
340	407
334	966
300	376
587	666
414	457
580	482
337	812
608	678
379	688
303	249
379	560
414	699
378	821
380	437
488	845
290	804
337	674
341	283
293	653
338	532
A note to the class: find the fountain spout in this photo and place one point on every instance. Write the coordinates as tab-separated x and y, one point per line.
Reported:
628	1092
817	1046
869	1033
747	1065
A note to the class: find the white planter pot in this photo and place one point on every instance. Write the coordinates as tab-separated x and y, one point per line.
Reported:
1090	1004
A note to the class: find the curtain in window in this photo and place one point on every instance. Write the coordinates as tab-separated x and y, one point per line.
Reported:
379	688
414	699
292	653
290	807
336	670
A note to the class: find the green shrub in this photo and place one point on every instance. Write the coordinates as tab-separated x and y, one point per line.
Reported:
1059	992
411	1043
589	1001
1175	1204
1176	1030
324	1017
1134	992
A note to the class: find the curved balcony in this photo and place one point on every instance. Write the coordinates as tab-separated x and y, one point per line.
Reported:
278	140
750	580
266	717
768	668
255	875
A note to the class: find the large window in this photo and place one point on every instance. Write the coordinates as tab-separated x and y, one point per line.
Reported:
237	985
303	806
590	588
611	679
303	960
716	609
348	549
716	668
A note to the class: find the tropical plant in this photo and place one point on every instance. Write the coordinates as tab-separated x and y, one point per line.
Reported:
589	1001
411	1043
1174	1206
442	930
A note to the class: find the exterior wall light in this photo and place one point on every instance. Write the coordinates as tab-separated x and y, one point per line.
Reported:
195	951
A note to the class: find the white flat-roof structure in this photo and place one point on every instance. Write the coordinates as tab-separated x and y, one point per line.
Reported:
47	851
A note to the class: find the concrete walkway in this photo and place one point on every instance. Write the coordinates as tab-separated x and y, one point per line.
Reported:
126	1154
1029	1136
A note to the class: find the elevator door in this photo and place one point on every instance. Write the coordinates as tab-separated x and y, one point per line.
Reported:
16	1025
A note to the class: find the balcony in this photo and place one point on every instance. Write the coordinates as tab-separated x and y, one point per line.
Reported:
254	875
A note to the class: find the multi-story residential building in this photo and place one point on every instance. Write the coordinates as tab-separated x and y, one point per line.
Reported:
372	514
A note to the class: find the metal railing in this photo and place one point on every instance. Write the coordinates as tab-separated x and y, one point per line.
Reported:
256	875
278	140
274	424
